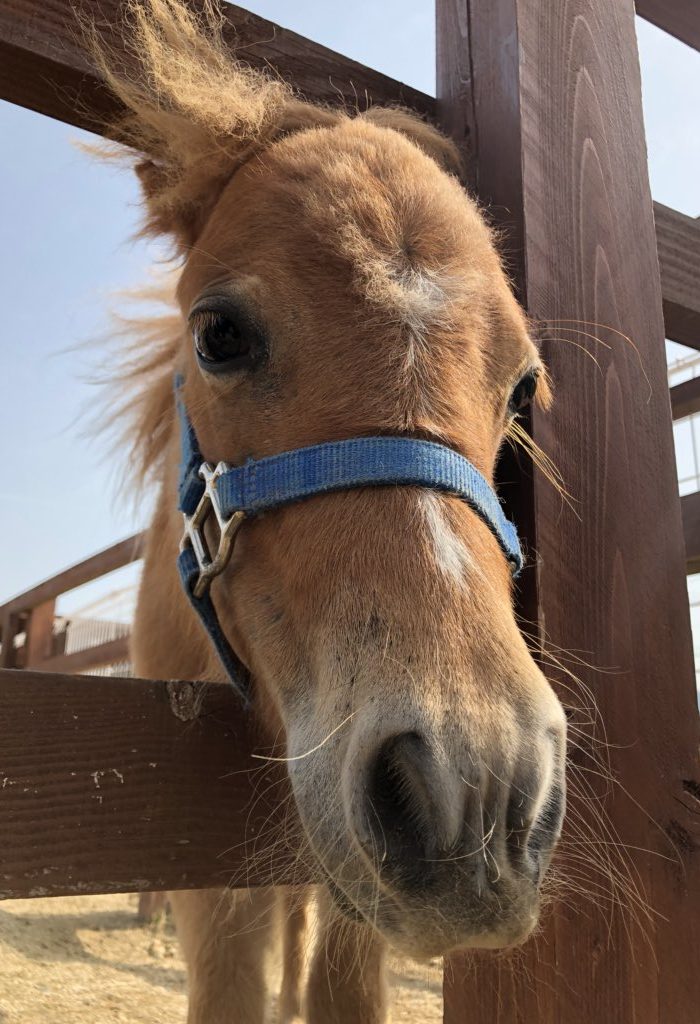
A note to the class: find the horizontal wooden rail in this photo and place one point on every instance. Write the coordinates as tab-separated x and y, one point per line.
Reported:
117	785
681	18
115	557
678	245
690	511
111	652
685	398
44	67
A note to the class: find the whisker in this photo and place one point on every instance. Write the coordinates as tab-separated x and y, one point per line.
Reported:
308	753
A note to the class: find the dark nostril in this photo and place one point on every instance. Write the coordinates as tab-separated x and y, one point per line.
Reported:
398	799
518	825
528	841
546	829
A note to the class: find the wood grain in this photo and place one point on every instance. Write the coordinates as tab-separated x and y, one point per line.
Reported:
679	17
43	65
561	164
117	785
685	398
678	244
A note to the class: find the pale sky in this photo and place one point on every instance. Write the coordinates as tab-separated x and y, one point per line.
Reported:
66	226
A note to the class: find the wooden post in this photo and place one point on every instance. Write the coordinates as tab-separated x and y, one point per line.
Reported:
39	634
9	626
550	101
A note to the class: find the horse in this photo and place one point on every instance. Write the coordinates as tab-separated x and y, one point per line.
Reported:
335	281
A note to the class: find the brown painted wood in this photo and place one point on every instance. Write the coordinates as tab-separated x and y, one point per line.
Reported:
454	109
117	785
43	66
678	242
111	652
9	627
37	647
685	398
561	163
679	17
690	511
114	557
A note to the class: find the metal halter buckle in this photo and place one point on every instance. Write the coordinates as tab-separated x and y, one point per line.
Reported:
194	530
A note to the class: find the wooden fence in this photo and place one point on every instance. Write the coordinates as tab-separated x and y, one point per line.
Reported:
143	784
30	617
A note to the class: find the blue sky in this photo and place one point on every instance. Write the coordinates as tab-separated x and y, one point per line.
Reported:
67	222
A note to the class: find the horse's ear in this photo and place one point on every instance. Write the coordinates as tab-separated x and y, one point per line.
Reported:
183	221
194	114
429	139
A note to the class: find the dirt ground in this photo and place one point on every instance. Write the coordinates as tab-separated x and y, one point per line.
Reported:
86	960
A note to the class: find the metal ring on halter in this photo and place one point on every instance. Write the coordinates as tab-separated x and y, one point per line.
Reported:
194	529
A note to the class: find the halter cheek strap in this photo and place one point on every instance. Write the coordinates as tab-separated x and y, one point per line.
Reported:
232	494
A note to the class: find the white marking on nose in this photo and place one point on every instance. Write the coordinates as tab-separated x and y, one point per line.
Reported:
451	554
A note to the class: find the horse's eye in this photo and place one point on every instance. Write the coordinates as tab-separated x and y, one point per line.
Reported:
523	393
220	338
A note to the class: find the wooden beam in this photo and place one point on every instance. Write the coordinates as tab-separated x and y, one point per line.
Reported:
117	785
43	65
678	244
114	557
679	17
690	510
111	652
685	398
553	105
37	647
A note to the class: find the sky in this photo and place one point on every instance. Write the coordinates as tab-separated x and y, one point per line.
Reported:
67	227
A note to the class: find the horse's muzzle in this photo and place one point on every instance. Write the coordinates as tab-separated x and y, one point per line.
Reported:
419	812
456	834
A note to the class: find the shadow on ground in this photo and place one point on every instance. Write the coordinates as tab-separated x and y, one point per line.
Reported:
55	938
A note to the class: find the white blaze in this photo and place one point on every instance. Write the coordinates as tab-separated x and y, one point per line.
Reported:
451	554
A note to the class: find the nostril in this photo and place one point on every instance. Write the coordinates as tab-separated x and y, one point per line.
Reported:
528	840
518	825
546	829
398	799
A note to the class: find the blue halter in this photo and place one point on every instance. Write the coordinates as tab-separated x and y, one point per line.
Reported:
234	493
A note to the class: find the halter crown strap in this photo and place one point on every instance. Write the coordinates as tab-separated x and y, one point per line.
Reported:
264	484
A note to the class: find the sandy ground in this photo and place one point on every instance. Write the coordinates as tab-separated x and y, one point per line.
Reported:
86	960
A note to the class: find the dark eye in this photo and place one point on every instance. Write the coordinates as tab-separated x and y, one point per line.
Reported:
225	336
523	393
219	338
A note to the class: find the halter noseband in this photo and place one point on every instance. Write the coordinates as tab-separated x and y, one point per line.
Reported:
233	494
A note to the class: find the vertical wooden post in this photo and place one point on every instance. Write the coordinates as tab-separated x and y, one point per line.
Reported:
39	634
9	625
549	98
